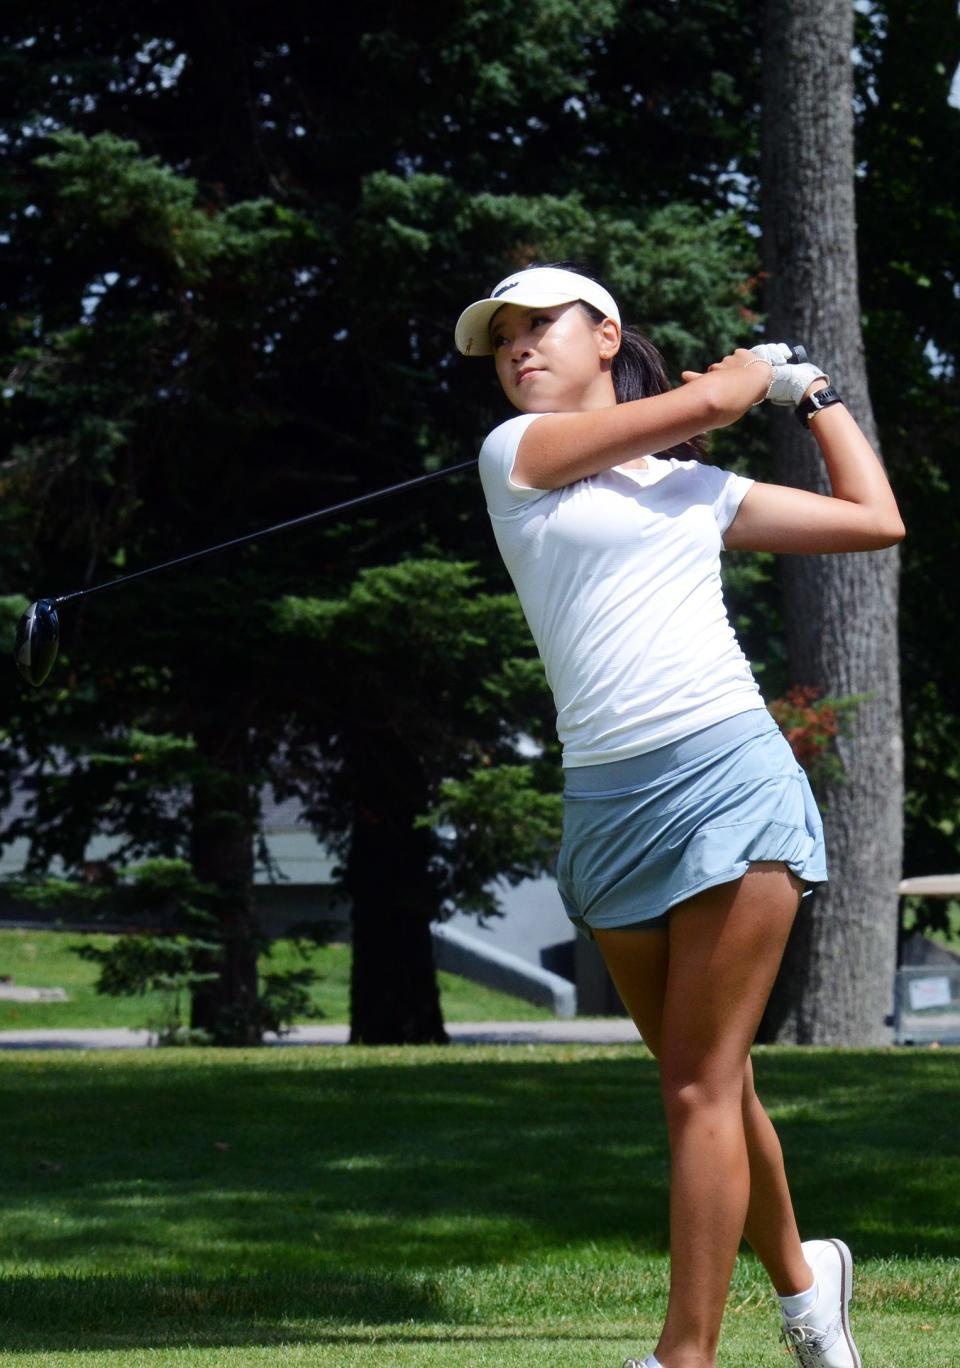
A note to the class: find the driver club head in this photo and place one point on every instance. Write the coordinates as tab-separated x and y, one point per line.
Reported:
38	639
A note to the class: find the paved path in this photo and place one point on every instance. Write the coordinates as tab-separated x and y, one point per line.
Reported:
606	1031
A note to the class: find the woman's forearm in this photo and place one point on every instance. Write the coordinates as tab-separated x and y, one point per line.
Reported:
860	514
560	448
853	466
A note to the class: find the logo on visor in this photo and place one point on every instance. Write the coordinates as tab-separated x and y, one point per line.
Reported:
504	288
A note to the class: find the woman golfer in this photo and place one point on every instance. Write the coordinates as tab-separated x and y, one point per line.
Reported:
690	832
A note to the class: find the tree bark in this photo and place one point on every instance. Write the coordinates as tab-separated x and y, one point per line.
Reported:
394	995
841	611
222	854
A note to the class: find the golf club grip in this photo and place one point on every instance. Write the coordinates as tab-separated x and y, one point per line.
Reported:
269	531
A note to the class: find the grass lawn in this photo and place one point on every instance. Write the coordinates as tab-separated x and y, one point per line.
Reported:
42	959
438	1206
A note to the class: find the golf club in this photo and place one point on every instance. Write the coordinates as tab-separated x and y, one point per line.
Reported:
38	632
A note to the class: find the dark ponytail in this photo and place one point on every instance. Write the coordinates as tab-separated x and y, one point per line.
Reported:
638	368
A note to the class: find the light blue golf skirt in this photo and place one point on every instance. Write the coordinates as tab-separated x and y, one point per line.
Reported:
641	835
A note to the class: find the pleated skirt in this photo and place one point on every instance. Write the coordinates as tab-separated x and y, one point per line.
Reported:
643	834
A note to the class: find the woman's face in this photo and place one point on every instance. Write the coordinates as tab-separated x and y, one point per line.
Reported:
555	359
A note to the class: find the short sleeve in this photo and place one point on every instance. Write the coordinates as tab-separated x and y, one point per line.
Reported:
497	456
727	492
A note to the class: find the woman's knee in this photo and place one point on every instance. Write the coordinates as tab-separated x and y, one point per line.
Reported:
693	1086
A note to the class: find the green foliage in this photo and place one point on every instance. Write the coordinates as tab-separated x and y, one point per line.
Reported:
148	959
494	824
162	755
174	935
12	609
171	293
682	273
52	893
104	184
170	960
417	651
138	964
142	964
907	205
428	625
125	783
285	999
551	39
248	311
932	725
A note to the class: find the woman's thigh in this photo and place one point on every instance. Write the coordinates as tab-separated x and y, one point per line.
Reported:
725	949
637	963
705	978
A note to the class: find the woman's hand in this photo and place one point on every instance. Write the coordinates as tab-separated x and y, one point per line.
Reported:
747	373
788	384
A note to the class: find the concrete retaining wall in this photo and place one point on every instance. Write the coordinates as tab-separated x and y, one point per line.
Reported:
459	953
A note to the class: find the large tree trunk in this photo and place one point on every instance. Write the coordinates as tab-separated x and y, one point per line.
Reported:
222	854
394	994
841	611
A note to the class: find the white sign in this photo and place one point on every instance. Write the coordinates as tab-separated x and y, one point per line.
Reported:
929	992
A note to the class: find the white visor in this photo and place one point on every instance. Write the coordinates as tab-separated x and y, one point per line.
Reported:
538	286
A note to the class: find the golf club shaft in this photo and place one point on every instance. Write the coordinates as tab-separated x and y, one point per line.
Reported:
268	531
797	353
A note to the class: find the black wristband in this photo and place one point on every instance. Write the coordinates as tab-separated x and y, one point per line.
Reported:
820	399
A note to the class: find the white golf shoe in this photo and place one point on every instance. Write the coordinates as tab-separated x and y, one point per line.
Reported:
821	1337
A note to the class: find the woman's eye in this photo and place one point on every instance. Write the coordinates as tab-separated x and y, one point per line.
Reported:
497	341
540	318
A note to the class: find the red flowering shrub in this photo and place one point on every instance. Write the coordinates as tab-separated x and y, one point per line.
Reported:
810	724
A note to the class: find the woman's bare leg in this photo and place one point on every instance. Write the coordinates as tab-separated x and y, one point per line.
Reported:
716	965
771	1225
637	961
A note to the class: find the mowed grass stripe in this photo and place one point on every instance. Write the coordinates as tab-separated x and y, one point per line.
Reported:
421	1198
888	1341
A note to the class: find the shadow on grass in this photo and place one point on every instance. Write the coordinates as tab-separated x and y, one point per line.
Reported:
106	1312
155	1310
308	1175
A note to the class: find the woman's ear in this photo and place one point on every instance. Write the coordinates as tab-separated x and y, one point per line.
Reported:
609	339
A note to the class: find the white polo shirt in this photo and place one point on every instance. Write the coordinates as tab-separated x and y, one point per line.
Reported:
618	576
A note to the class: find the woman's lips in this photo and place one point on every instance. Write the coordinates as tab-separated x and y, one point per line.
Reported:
526	372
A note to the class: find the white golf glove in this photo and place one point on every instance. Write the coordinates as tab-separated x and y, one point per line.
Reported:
790	381
777	353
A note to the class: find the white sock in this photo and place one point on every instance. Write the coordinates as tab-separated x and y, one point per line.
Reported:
653	1361
800	1301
